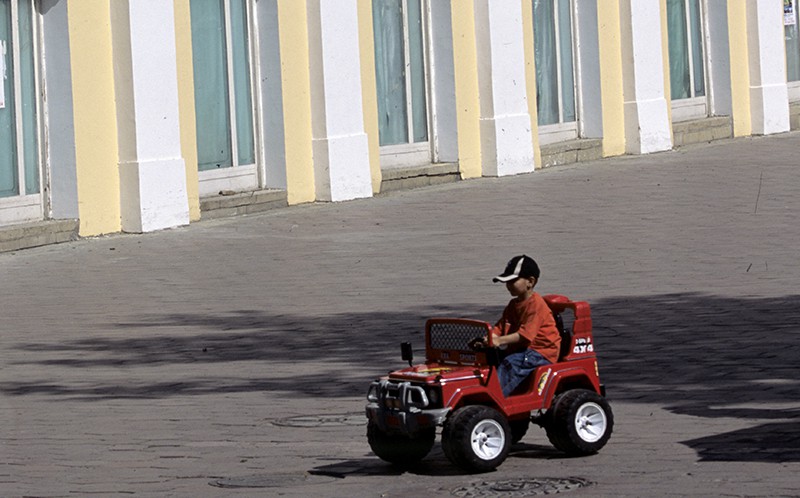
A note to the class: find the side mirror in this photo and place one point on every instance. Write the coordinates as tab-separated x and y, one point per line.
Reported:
407	353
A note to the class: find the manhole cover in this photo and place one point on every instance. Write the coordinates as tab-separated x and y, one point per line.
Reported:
271	480
522	487
322	420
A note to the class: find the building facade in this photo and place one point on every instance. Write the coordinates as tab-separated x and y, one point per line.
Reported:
134	116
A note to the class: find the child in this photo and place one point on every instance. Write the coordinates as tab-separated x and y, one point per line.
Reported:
527	329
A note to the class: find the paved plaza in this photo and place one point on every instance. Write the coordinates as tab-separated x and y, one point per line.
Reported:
231	357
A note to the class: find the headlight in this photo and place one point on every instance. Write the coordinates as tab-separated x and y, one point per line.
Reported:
434	395
372	392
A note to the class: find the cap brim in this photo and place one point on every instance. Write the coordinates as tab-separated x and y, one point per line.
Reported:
504	278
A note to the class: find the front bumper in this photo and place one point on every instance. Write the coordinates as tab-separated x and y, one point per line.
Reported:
401	407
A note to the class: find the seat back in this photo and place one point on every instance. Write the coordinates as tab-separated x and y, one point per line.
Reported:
576	341
565	334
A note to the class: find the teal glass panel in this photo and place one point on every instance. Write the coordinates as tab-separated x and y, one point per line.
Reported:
210	85
417	56
678	50
567	70
544	48
9	179
390	75
698	68
241	82
792	50
28	77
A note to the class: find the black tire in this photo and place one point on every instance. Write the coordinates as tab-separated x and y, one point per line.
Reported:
580	422
476	438
519	428
399	449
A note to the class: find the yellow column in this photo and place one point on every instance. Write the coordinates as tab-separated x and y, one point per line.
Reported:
530	77
740	68
612	97
466	81
96	151
295	79
183	39
369	92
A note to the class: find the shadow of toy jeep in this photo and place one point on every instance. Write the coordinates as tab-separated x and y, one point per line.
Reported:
457	388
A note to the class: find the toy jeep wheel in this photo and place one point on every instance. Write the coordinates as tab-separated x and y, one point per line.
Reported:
399	449
580	423
476	438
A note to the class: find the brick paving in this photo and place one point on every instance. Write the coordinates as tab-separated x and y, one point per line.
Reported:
173	363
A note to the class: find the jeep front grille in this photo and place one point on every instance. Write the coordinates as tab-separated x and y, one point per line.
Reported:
399	395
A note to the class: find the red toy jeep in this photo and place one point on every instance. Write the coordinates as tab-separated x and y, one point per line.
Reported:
457	388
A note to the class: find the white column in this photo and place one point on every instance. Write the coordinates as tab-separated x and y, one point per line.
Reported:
506	140
340	147
152	172
647	126
769	95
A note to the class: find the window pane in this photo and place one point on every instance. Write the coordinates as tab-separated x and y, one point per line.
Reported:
387	19
567	71
28	98
697	49
9	180
418	104
678	49
544	48
241	81
210	85
792	52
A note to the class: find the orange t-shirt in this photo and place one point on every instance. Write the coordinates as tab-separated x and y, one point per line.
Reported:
534	321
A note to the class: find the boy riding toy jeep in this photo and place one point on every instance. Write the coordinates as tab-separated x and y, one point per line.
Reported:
457	388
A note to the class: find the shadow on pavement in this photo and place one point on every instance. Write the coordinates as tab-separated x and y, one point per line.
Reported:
245	335
707	356
770	443
695	354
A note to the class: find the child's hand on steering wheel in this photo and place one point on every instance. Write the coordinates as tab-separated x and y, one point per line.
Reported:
478	343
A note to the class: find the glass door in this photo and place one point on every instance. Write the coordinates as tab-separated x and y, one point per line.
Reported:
223	86
555	70
686	59
20	198
401	74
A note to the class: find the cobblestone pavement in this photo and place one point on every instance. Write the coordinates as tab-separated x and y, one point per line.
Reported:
231	357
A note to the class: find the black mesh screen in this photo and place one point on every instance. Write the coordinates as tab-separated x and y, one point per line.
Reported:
454	336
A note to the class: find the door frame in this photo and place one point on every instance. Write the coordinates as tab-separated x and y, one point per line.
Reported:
26	207
239	177
416	153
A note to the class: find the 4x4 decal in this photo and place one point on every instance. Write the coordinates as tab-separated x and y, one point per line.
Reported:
583	345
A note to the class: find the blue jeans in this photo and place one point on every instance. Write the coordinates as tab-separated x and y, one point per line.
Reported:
516	367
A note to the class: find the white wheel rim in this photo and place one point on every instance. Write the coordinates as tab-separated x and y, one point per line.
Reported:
591	422
488	439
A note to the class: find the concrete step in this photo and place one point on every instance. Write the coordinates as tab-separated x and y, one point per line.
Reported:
237	203
702	130
39	233
394	179
572	151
